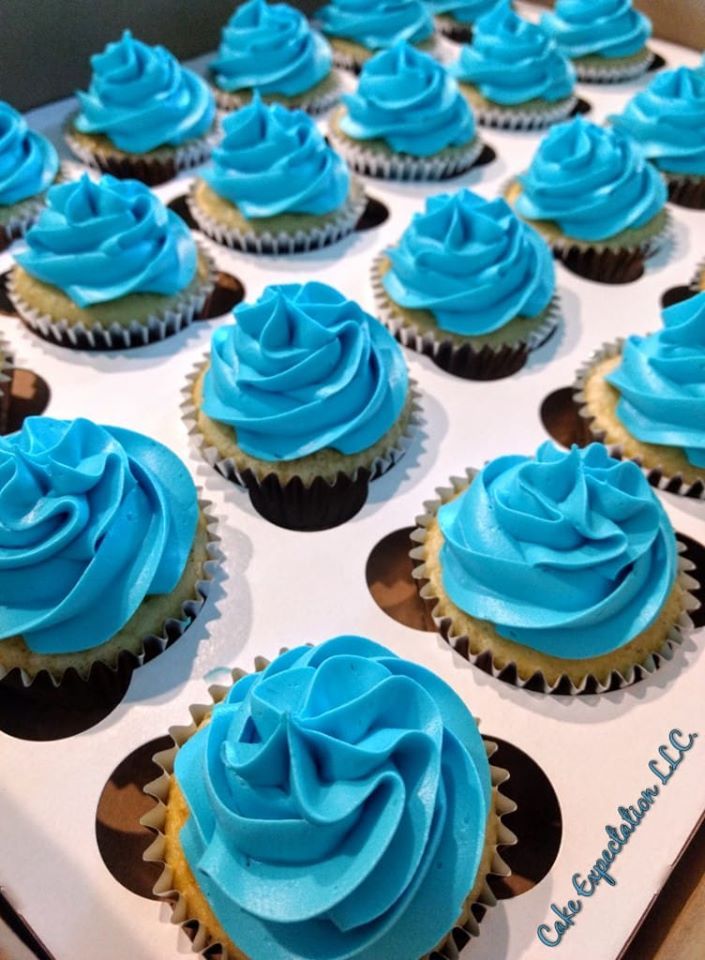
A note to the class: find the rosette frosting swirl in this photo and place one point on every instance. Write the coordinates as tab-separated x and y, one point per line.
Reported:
472	263
272	160
28	161
303	369
513	61
377	24
338	806
408	99
141	98
606	28
465	11
98	241
270	48
661	381
593	182
92	520
570	553
667	119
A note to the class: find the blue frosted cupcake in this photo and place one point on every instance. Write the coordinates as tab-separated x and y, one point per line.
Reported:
144	116
357	29
270	49
514	75
455	18
407	120
470	285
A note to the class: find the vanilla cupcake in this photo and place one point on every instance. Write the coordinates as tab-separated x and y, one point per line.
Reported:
455	18
357	29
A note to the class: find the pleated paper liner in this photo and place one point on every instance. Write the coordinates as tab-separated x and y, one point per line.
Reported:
509	672
514	118
657	476
686	191
616	72
17	225
488	363
201	939
315	102
6	370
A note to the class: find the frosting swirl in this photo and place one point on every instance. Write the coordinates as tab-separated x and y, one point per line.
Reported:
141	98
92	520
28	161
270	48
338	805
302	370
570	553
592	182
465	11
377	24
606	28
408	99
667	120
272	160
472	263
513	61
99	241
661	381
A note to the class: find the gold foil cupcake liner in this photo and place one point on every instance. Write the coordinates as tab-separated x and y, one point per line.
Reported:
315	104
613	73
509	672
514	118
201	939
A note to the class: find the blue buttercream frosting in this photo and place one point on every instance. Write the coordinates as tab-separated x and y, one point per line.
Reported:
472	263
377	24
605	28
92	521
270	48
593	182
667	119
338	804
661	382
512	61
141	98
304	369
272	160
408	99
569	553
28	161
99	241
465	11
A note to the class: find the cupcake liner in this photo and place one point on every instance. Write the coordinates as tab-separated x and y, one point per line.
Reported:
164	323
315	104
488	363
198	934
657	476
108	675
514	118
510	672
686	191
613	73
303	241
345	60
6	369
453	29
17	225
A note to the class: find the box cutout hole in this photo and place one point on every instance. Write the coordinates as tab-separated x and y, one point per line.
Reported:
29	397
561	419
581	108
180	207
374	214
389	580
228	292
676	295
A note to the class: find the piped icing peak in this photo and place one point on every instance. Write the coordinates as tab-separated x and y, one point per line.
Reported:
304	369
593	182
141	98
569	553
102	240
92	520
464	11
272	161
472	263
661	382
338	804
605	28
377	24
270	48
409	100
28	161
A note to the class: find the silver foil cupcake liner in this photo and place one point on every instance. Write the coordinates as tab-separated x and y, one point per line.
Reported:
315	104
613	73
509	672
509	118
657	476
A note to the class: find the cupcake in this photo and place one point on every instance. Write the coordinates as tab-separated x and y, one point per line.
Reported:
272	50
369	772
304	400
595	198
358	29
514	75
29	165
455	18
645	397
667	120
559	570
275	186
107	266
470	285
144	115
407	120
605	39
104	547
